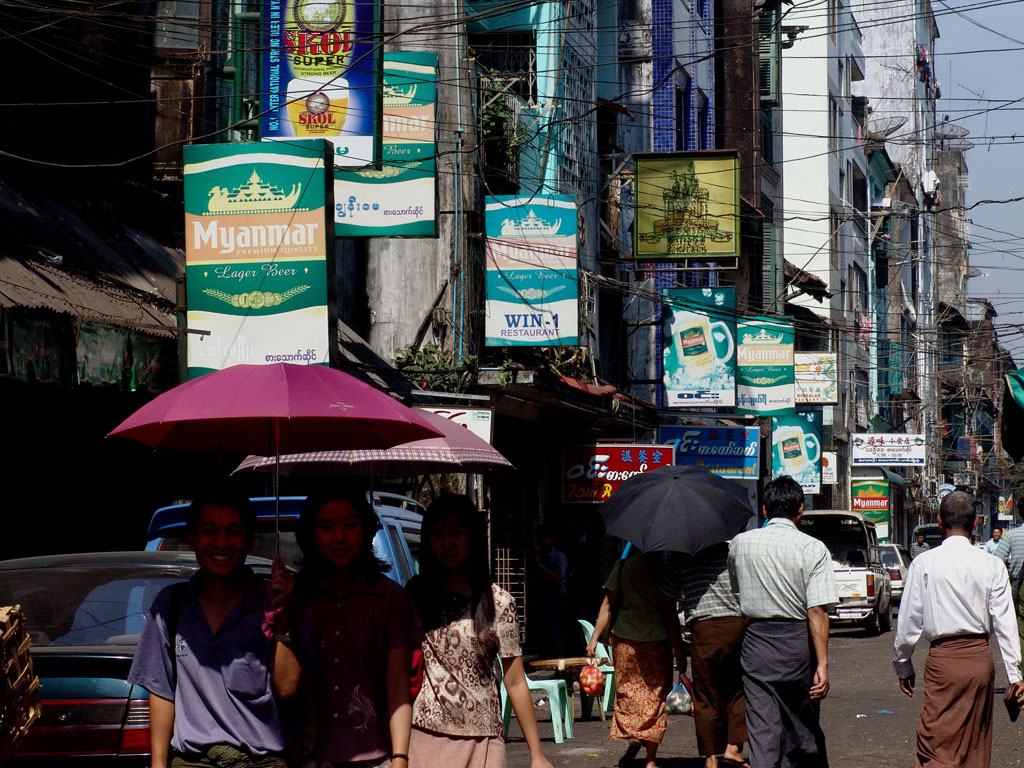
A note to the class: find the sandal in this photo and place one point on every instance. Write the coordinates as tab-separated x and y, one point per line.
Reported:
722	759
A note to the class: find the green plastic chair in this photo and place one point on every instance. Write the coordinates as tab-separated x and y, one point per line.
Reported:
607	699
558	702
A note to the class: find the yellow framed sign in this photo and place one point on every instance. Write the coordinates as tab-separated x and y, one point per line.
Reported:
687	205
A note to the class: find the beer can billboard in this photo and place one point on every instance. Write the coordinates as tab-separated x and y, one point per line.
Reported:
257	235
699	333
531	287
765	383
399	198
796	449
321	72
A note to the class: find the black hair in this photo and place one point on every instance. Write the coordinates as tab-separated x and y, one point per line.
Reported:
783	497
230	499
429	589
313	563
545	531
957	511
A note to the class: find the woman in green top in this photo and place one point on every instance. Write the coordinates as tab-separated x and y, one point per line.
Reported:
645	635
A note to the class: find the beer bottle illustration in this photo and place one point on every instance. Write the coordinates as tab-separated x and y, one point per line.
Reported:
318	39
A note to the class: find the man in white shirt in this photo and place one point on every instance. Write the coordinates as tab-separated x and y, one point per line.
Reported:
993	544
955	596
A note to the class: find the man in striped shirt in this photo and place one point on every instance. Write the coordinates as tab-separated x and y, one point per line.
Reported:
716	635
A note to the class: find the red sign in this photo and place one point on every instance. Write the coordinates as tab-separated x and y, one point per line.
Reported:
591	473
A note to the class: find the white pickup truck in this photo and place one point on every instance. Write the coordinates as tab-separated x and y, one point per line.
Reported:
865	591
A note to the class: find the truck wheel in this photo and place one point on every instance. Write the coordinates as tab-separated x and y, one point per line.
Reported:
885	620
873	624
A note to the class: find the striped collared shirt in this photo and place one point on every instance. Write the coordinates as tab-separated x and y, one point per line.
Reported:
702	582
1011	550
780	572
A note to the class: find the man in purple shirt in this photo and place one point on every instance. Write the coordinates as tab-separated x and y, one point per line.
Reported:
215	700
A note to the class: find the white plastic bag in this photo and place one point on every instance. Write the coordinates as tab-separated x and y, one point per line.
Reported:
680	701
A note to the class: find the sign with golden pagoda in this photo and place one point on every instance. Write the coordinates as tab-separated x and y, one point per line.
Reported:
687	206
257	235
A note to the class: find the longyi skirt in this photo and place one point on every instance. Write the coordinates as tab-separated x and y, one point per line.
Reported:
427	748
643	678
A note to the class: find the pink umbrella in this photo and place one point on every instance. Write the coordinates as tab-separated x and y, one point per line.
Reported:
268	409
458	450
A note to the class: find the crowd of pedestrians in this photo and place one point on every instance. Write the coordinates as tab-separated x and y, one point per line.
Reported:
340	666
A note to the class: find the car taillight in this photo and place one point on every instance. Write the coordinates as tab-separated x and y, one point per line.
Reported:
871	585
895	575
135	734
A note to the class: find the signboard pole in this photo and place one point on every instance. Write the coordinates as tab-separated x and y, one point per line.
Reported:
765	428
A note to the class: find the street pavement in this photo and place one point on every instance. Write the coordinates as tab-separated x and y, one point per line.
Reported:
868	723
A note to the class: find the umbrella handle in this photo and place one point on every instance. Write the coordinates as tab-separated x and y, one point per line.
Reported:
277	486
625	551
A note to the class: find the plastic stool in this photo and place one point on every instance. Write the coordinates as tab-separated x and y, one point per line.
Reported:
607	699
558	702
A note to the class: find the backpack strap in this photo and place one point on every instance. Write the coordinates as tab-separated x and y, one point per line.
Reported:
173	618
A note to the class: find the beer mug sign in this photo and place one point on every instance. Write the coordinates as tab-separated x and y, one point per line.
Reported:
317	106
796	449
700	343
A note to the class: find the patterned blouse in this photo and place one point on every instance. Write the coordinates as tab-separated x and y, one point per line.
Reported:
460	696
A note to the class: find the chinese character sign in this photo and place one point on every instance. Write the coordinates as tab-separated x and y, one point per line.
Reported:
321	66
700	345
893	449
796	449
257	235
817	378
591	473
532	292
765	384
726	451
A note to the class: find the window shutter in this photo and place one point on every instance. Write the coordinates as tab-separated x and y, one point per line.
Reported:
770	48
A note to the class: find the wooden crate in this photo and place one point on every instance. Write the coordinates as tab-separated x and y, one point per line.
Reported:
19	686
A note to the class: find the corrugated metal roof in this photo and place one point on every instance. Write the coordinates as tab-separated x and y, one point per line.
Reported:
81	260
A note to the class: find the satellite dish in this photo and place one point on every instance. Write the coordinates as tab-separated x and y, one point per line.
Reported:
957	146
950	131
880	127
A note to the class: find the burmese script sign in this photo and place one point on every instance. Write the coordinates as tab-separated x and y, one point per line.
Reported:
765	384
687	205
257	235
591	473
726	451
888	450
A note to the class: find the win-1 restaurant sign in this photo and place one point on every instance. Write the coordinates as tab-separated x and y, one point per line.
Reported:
726	451
591	473
257	235
532	290
887	450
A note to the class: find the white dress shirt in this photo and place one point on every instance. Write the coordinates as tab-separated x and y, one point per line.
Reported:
956	589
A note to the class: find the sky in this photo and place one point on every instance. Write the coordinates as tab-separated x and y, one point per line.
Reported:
996	162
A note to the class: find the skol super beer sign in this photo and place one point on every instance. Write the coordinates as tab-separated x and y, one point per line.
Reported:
321	66
257	235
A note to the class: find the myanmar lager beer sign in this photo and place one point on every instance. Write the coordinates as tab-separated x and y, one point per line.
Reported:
257	235
765	383
870	497
321	65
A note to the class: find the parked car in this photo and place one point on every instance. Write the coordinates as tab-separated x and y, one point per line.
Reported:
896	560
397	542
865	590
84	614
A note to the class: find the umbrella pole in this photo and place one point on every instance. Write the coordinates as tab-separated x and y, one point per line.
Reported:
277	486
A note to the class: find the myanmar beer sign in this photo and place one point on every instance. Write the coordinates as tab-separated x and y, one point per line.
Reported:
765	383
257	234
531	286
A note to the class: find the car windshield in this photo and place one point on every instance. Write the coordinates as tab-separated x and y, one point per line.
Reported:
845	537
86	605
889	557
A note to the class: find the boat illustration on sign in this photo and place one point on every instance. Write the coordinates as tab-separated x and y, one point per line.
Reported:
762	337
253	197
530	294
530	226
685	225
397	96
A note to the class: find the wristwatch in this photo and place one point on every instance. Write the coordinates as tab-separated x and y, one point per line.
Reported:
283	637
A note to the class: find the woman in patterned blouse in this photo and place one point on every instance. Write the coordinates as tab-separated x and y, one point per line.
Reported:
470	624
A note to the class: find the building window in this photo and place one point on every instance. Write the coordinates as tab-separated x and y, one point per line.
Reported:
859	285
703	120
835	225
842	185
768	136
683	123
833	124
834	10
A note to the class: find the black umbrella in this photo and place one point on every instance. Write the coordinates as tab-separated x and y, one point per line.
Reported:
677	509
